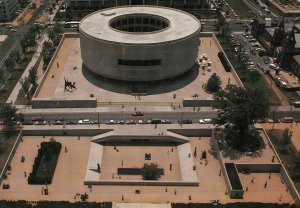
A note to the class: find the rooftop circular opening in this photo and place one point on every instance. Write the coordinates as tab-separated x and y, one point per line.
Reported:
139	23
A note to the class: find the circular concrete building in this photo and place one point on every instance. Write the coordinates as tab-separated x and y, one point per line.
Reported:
139	43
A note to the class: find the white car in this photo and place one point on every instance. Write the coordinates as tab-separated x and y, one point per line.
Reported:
84	121
111	122
205	120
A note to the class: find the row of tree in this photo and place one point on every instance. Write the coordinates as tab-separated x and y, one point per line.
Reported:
50	46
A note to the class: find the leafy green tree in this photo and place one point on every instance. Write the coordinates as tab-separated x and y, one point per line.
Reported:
150	171
25	86
10	116
57	28
32	77
9	65
237	111
24	45
286	138
214	83
16	55
254	76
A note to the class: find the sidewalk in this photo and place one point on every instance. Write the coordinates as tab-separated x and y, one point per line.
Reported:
14	94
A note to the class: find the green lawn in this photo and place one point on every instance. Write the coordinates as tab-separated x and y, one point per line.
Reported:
288	159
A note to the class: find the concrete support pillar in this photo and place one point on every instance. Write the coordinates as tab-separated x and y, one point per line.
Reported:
184	2
116	2
129	2
157	2
171	2
199	2
143	2
76	3
102	2
89	3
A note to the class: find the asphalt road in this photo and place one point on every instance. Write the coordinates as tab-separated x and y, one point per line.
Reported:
103	117
175	116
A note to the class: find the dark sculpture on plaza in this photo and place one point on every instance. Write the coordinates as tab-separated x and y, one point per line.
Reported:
69	85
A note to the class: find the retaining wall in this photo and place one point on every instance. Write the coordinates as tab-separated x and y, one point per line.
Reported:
259	168
65	132
141	183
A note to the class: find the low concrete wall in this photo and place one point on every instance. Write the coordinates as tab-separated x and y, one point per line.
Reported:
65	132
259	168
10	156
141	183
290	186
222	164
205	132
42	103
196	102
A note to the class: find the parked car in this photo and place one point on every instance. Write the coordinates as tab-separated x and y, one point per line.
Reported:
40	122
111	121
205	120
185	121
166	121
259	65
84	121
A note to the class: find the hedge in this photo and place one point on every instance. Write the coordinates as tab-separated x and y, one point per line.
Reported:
47	157
54	204
224	62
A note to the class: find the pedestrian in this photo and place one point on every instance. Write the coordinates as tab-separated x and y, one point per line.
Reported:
266	184
66	150
270	175
252	180
25	174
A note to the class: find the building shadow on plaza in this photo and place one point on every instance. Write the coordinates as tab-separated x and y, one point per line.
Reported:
150	88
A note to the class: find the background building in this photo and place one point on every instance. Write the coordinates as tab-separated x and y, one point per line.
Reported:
200	4
8	9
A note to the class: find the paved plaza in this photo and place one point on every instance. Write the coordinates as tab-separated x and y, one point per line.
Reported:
134	157
71	169
67	64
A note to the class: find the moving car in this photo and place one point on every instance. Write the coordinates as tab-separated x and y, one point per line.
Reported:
137	113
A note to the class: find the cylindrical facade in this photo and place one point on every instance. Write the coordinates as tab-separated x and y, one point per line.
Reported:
139	43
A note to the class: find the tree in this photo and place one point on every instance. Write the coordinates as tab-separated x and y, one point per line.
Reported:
24	45
16	55
214	83
25	86
57	28
237	111
150	171
32	77
10	65
10	116
286	138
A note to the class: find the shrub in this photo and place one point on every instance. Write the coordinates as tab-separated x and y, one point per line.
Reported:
44	164
224	62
